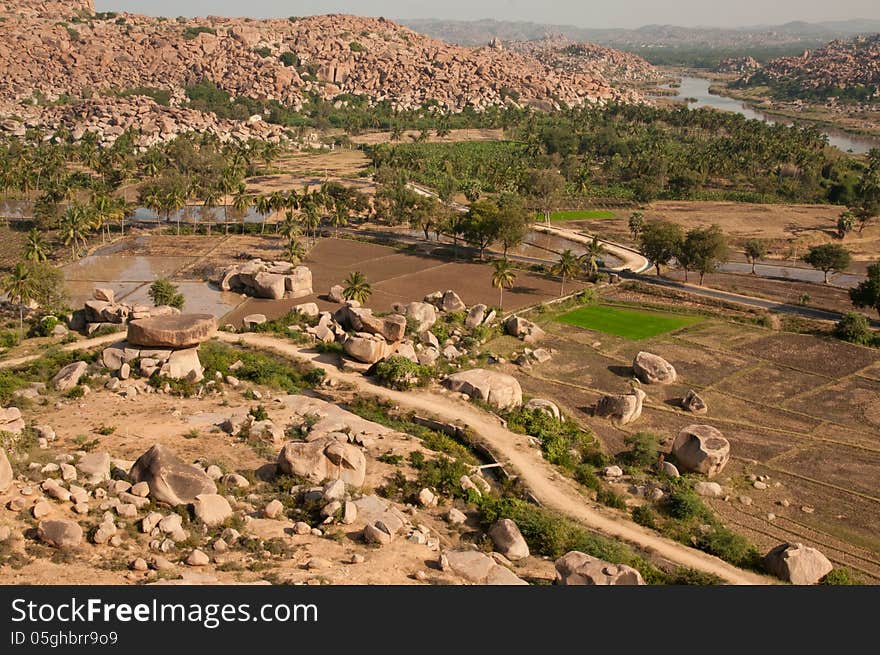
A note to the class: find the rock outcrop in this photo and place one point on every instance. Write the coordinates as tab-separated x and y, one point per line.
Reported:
11	420
6	475
576	568
523	329
508	540
499	390
365	347
694	403
701	449
272	280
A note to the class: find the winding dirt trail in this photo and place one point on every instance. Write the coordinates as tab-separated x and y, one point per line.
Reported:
519	457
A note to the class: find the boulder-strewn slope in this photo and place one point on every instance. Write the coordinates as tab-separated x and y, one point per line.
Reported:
287	60
566	55
840	64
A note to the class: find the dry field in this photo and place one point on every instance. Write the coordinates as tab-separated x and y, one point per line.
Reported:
803	410
372	138
781	226
311	169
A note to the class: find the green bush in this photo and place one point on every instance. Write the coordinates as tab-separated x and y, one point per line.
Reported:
841	576
644	448
729	546
259	413
191	32
685	504
402	374
564	443
164	292
357	46
610	498
644	515
854	327
259	368
8	338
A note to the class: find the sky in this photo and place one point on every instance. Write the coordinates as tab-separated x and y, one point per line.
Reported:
581	13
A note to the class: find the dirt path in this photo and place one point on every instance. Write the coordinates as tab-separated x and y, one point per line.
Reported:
630	258
549	487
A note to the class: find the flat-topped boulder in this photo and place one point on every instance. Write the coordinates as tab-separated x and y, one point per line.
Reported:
180	331
701	449
500	390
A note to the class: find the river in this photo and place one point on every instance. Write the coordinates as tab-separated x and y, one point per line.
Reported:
698	89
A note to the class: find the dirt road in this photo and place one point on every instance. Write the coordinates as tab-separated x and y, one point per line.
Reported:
548	486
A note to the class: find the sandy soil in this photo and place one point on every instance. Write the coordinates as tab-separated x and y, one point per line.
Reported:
372	138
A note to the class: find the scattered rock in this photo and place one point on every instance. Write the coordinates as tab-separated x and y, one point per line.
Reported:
325	458
694	403
274	509
60	533
622	409
6	475
69	376
708	489
211	509
499	390
544	406
198	558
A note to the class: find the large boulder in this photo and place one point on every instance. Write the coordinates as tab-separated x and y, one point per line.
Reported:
798	564
11	420
621	409
95	467
576	568
500	390
324	459
178	331
508	540
6	475
701	449
523	329
424	315
68	377
653	369
273	280
365	347
477	568
268	285
60	533
171	480
335	294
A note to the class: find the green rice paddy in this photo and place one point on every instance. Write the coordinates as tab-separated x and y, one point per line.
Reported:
628	323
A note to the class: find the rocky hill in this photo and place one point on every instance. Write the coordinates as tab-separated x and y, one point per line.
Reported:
566	55
286	60
47	8
840	65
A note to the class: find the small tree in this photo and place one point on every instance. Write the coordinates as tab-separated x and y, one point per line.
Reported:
705	247
19	287
867	293
644	449
636	223
828	257
357	288
845	224
164	292
503	276
35	249
660	242
755	250
853	327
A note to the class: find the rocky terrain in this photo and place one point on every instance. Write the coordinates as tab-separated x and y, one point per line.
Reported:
567	55
85	64
840	64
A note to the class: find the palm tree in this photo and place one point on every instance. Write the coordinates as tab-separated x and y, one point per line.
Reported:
75	228
503	276
590	259
295	251
357	288
226	187
241	203
210	199
264	207
340	215
18	285
174	201
566	267
102	208
290	226
35	248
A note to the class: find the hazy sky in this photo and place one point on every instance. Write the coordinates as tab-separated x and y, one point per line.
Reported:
583	13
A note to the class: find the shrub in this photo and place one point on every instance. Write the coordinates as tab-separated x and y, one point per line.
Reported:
191	32
684	504
44	327
289	59
854	327
644	515
402	374
263	52
564	443
260	368
164	292
643	449
8	338
610	498
729	546
357	46
842	577
259	413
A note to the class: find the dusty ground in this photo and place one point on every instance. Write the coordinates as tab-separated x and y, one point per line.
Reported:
313	168
803	410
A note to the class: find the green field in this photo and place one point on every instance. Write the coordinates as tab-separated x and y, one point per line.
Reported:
628	323
580	215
